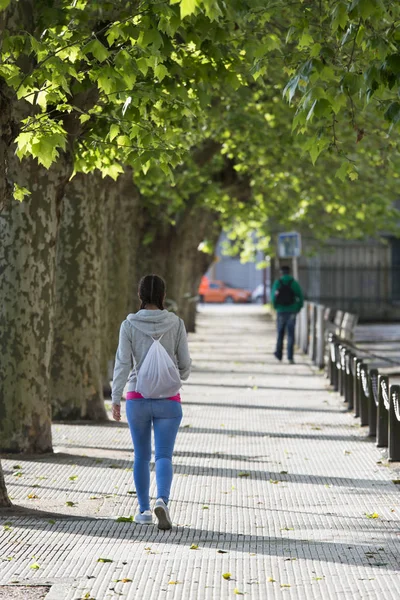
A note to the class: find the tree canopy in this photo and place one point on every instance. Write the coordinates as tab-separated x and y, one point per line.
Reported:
221	102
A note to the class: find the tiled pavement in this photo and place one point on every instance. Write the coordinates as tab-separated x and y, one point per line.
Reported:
273	484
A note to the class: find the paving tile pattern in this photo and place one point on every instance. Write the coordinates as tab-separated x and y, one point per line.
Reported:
273	483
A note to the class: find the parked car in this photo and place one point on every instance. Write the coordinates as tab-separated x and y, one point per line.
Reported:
257	295
218	291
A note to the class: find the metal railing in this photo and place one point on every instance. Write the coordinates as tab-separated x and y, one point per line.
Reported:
326	336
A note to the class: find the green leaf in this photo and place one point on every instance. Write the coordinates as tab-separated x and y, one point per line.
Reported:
372	515
306	40
392	114
340	16
19	194
188	7
4	4
315	50
226	575
96	48
35	566
142	65
125	519
160	72
105	560
114	131
341	173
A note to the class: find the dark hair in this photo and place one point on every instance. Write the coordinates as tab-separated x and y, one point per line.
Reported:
285	270
152	291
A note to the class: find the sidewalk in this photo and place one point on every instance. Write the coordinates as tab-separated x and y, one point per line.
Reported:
273	484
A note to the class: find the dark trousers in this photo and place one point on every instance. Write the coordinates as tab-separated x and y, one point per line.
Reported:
286	321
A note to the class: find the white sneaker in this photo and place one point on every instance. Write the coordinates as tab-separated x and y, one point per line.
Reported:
162	514
144	518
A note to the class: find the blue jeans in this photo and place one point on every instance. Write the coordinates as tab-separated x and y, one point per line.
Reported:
286	320
165	416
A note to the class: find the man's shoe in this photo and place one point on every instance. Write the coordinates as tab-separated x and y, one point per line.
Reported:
144	518
162	514
291	361
277	357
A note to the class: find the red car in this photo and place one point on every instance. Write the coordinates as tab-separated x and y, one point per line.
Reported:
218	291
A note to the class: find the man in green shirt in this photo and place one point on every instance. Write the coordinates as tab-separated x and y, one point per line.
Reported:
287	299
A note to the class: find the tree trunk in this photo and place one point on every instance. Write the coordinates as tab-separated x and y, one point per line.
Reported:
76	379
174	255
28	233
4	499
122	248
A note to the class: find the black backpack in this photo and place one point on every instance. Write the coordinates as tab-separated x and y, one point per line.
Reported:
285	295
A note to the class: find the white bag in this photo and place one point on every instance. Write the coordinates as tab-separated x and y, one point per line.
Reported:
158	376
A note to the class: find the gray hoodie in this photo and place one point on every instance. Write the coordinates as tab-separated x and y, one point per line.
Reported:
135	339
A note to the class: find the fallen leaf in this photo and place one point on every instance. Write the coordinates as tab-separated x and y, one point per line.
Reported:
51	521
226	575
173	582
271	580
18	474
32	496
373	515
274	481
222	551
237	592
317	578
125	580
105	560
194	547
396	481
35	566
132	492
346	452
283	472
73	477
70	503
17	467
243	474
205	507
285	584
287	528
125	519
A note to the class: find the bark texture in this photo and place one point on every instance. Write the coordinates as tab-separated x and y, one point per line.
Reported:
4	499
28	232
122	246
76	380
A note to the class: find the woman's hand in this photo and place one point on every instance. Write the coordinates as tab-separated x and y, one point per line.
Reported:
116	412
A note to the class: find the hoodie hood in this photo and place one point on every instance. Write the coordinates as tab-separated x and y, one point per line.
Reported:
153	322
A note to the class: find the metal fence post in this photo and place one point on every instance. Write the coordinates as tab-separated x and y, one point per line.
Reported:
348	393
357	386
382	417
304	328
364	394
372	382
394	424
311	345
320	335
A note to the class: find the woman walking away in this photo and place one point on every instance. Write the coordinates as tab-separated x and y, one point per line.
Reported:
156	340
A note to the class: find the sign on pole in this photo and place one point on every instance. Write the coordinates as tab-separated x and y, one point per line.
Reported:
289	245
